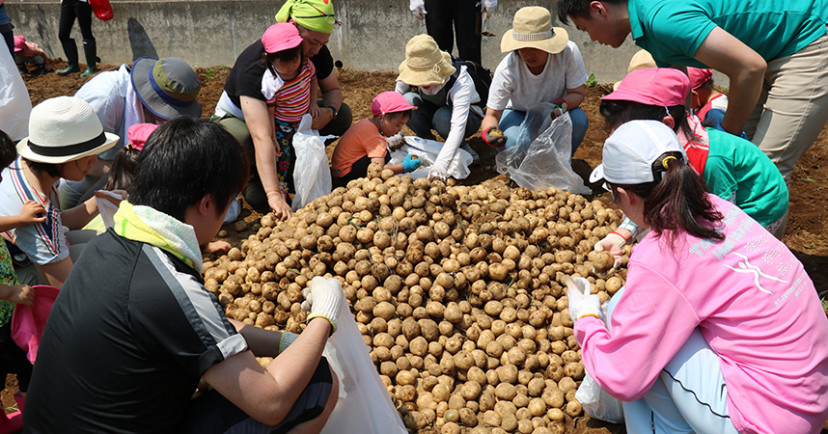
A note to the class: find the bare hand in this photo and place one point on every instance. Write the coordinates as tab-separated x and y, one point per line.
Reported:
313	110
29	213
277	149
22	294
281	210
217	246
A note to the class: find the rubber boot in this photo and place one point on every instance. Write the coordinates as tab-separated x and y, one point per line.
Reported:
90	49
71	51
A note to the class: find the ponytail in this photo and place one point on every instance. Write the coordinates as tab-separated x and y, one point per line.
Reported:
678	202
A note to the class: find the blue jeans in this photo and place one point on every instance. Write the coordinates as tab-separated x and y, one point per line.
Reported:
690	394
511	120
428	116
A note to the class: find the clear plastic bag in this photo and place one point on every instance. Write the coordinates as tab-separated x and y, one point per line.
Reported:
597	403
428	150
364	405
539	161
312	173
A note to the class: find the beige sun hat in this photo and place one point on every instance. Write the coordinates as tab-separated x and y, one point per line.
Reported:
63	129
532	28
642	59
425	64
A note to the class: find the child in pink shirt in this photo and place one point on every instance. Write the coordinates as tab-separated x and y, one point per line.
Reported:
719	328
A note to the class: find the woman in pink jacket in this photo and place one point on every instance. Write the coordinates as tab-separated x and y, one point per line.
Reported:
719	329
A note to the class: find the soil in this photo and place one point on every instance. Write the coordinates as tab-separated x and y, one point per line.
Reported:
806	234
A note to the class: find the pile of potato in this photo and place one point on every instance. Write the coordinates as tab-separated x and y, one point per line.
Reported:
457	291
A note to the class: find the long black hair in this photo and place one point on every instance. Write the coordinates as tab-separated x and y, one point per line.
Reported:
617	112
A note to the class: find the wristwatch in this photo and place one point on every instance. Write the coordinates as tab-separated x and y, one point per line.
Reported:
333	110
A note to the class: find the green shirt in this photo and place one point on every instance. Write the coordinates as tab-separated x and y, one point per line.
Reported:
673	30
7	277
739	172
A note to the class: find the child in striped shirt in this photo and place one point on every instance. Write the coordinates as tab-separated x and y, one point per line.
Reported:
290	87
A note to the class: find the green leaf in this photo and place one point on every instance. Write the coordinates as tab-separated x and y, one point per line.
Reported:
591	81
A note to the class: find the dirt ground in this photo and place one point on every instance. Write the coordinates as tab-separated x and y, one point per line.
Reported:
806	234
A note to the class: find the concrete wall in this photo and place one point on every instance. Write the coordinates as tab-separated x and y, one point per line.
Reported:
214	32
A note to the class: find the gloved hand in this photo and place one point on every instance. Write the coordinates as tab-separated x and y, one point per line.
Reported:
612	243
411	163
322	299
395	141
285	341
488	7
437	172
494	137
581	302
560	108
417	7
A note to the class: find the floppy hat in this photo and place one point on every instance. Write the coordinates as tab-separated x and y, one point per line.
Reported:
640	60
390	102
167	87
19	43
138	134
653	86
63	129
532	28
629	153
424	63
280	37
699	76
314	15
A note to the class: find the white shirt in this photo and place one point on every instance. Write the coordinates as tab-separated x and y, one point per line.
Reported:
517	88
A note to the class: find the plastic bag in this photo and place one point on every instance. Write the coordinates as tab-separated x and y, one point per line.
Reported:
15	104
363	405
539	161
428	150
597	403
102	9
312	173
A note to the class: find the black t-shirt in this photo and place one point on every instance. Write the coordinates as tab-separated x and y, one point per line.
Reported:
245	79
127	340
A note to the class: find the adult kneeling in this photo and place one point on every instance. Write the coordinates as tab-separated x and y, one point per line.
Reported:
242	108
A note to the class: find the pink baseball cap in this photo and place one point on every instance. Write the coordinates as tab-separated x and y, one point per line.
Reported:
280	37
653	86
390	102
138	135
699	76
19	43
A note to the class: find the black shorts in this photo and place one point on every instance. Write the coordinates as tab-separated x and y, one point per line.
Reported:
13	360
212	413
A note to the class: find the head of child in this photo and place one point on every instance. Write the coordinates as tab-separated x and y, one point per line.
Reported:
649	94
533	37
425	65
701	80
391	111
282	50
122	172
645	169
606	21
190	169
65	138
8	153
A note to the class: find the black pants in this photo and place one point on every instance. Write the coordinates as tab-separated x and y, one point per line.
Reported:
69	10
465	14
13	360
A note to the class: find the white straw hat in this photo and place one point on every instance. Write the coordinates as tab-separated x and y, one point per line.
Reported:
629	153
532	28
425	64
64	129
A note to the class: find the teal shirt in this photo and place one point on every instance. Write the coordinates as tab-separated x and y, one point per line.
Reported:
739	172
673	30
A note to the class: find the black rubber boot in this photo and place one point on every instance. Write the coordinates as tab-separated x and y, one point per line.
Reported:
71	51
90	49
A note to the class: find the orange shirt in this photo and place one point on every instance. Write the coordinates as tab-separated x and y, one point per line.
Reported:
363	138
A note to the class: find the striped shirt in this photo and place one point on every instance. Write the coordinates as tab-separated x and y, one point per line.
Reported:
290	99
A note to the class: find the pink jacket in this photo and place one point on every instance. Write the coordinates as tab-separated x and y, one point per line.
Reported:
756	307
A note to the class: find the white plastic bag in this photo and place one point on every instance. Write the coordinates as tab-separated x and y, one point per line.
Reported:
363	406
428	150
539	161
15	104
312	173
597	403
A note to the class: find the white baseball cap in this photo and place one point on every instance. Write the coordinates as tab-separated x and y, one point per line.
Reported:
629	153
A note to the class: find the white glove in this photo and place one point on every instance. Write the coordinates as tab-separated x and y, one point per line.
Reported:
489	6
322	299
581	302
395	141
612	243
417	7
437	172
